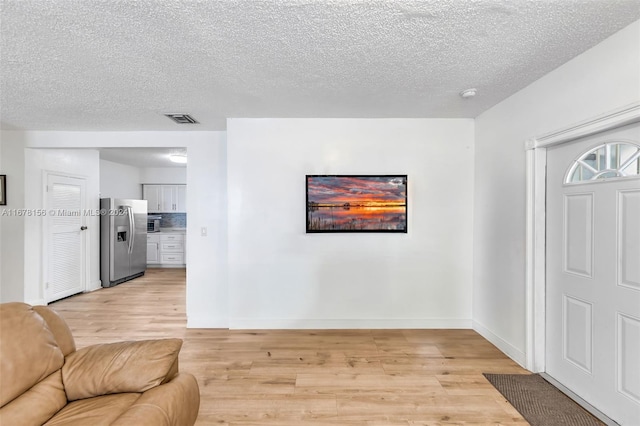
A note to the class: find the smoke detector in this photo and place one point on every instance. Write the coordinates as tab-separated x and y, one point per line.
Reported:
182	118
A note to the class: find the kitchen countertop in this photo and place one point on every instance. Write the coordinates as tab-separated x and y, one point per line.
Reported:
171	231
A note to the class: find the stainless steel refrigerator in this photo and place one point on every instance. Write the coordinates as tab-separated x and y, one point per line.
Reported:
123	240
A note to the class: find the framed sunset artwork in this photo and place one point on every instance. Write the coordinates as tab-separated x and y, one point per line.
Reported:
356	203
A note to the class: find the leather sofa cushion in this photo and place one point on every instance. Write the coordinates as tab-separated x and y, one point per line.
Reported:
174	403
119	367
28	350
37	405
98	411
59	328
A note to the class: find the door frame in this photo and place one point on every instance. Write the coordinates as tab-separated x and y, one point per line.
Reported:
536	194
86	267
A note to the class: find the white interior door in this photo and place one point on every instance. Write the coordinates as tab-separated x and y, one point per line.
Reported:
593	270
66	242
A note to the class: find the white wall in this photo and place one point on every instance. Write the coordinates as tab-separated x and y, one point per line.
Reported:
76	162
600	80
164	175
1	221
12	235
207	283
119	180
206	276
281	277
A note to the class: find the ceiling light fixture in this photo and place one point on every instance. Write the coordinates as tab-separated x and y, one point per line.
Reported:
178	158
468	94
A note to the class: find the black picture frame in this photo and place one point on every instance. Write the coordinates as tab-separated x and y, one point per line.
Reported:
356	203
3	190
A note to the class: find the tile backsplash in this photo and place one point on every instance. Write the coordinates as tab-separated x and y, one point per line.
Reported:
173	220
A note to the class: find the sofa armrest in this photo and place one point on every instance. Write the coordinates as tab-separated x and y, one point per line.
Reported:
120	367
172	404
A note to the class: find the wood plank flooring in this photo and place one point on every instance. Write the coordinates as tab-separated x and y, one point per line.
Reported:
305	377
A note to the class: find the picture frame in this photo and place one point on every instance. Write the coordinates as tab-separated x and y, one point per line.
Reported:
356	203
3	190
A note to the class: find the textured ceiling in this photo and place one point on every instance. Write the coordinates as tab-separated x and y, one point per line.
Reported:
119	65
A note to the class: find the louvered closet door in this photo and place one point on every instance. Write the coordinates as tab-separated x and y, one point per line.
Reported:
66	270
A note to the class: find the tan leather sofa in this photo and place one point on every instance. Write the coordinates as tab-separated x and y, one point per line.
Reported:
45	380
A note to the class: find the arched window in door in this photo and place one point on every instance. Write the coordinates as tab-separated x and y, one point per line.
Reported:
611	160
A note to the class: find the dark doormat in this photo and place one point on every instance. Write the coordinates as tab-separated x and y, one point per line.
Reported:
539	402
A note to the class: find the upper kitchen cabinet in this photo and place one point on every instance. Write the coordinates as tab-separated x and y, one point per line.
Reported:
165	198
152	194
181	198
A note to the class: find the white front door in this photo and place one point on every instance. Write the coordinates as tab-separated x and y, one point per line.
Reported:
593	270
66	242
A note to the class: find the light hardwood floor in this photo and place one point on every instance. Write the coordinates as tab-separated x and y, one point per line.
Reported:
305	377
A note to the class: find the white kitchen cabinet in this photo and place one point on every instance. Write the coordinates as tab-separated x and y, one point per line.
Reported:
152	194
153	249
181	198
172	237
171	247
165	198
172	259
166	249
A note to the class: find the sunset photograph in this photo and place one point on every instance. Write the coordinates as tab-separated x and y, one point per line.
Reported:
350	203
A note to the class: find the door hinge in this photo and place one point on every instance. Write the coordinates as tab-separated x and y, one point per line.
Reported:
46	285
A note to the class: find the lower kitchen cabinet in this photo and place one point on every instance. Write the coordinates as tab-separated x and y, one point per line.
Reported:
172	259
172	249
153	249
166	249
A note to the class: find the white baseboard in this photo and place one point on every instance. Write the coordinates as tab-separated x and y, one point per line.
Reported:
511	351
166	265
203	321
95	285
36	302
324	324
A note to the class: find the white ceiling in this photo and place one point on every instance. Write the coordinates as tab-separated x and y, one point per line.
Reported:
142	157
119	65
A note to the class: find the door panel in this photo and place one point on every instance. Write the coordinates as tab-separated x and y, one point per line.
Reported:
121	234
578	240
593	270
139	247
628	370
66	243
577	333
628	236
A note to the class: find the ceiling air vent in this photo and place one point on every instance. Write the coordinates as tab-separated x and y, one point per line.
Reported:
182	118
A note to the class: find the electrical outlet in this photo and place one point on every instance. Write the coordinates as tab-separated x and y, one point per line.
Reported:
203	231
